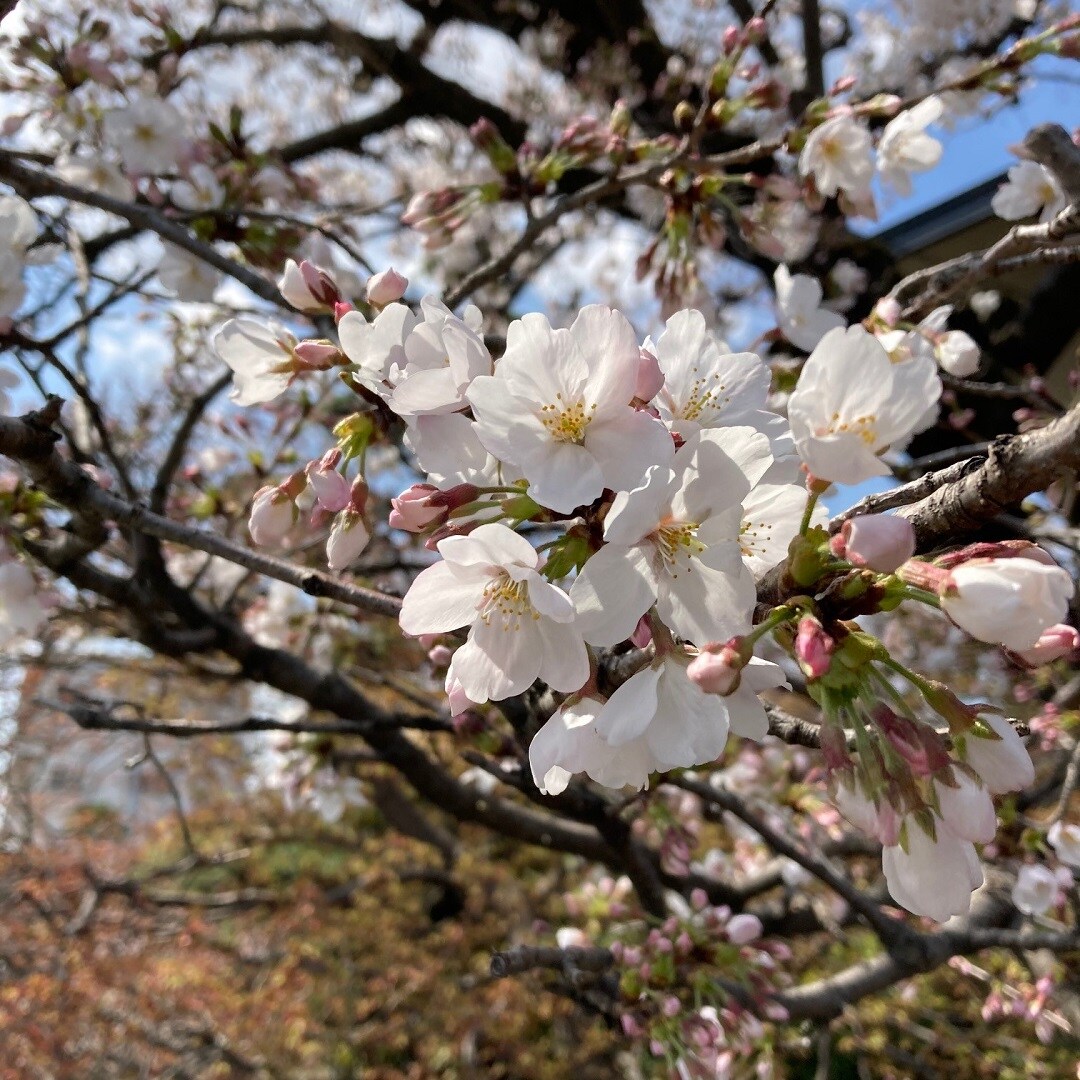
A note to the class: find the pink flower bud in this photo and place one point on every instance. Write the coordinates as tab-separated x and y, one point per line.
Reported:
413	510
308	287
1055	643
717	669
919	745
649	376
888	310
813	648
358	495
744	928
632	1029
317	355
330	487
730	39
386	287
440	656
341	309
881	542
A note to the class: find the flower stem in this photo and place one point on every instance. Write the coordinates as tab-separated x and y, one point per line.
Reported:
808	513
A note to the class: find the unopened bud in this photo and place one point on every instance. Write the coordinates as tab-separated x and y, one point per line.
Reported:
881	542
386	287
813	648
1055	643
717	669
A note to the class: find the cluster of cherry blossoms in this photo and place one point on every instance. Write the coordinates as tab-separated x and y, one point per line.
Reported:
589	494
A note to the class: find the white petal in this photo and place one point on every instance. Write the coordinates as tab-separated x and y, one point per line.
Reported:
614	589
438	602
630	709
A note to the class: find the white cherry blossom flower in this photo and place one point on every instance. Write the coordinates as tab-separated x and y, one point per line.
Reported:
442	356
521	626
659	719
188	278
448	450
558	406
1031	189
1036	889
798	301
705	385
771	516
932	876
260	357
674	541
905	147
1007	601
148	133
96	173
967	808
1064	837
569	743
851	403
377	346
201	190
1002	763
839	155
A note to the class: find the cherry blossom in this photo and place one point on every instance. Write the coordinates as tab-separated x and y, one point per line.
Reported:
994	750
374	347
442	355
882	542
1064	838
308	287
96	173
839	155
803	320
932	875
187	277
261	358
847	407
558	406
148	133
674	541
1036	889
905	147
273	514
521	627
1031	189
449	451
1007	601
704	384
200	190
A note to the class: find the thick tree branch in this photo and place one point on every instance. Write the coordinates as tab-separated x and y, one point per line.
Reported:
1015	467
